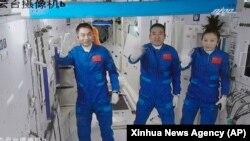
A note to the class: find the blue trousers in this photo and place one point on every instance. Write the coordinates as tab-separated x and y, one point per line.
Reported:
84	117
208	111
145	107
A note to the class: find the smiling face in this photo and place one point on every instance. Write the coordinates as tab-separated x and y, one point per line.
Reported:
85	36
209	41
157	36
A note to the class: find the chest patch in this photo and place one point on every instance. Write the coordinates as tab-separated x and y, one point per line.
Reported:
216	60
167	56
96	58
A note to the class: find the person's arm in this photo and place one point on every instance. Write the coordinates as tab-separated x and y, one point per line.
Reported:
65	57
186	60
136	55
113	74
224	76
176	74
68	60
224	83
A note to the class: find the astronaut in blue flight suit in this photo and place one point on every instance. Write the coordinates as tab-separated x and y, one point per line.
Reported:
209	70
160	67
90	63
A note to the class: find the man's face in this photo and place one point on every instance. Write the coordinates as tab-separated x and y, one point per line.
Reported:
157	36
85	36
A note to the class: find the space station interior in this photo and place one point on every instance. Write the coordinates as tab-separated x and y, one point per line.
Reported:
38	96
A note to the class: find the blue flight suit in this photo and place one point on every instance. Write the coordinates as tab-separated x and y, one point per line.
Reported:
208	72
93	94
159	68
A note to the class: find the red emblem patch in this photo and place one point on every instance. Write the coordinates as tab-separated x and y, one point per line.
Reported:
96	58
167	57
216	60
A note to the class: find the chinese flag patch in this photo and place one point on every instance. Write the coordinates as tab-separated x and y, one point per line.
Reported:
96	58
167	57
216	60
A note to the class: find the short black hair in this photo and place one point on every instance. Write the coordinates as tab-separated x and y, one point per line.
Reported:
83	25
157	25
